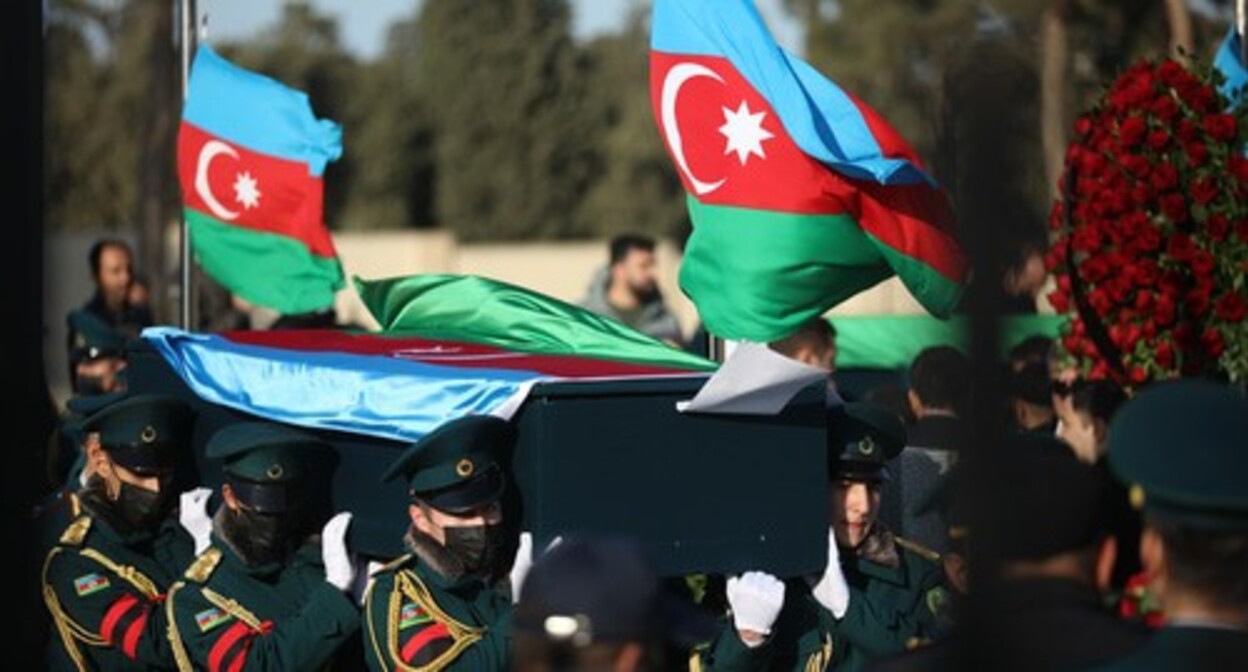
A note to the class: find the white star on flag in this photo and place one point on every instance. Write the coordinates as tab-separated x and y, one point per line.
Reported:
745	132
245	191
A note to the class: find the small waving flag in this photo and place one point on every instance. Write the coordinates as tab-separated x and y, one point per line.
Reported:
250	160
800	194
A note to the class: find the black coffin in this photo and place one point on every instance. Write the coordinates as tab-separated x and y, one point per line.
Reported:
705	493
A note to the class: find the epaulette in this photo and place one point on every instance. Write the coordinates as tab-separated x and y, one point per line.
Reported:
920	549
77	531
204	565
393	564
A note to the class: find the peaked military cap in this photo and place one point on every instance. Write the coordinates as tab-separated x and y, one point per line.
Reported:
862	437
265	462
455	467
144	433
93	338
1181	448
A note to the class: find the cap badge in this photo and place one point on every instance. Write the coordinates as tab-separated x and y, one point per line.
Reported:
148	434
275	472
465	467
1136	496
866	446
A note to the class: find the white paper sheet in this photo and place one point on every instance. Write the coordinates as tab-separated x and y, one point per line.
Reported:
754	380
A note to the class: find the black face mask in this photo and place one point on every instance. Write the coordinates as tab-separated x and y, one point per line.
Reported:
88	386
262	538
140	508
477	547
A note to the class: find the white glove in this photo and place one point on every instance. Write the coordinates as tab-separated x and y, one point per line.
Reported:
755	598
193	515
339	570
524	562
831	590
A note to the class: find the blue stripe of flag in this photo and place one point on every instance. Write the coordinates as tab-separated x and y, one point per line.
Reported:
815	111
258	113
372	395
1232	67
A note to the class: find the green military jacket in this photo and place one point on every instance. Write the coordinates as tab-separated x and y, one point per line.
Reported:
896	594
104	593
417	618
227	615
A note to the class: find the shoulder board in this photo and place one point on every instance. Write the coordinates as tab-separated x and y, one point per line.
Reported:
393	564
77	531
917	548
204	565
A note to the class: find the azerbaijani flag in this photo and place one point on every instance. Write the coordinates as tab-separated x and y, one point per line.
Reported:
800	194
250	159
453	346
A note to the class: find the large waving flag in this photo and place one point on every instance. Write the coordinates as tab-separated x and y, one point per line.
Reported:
453	346
250	159
800	194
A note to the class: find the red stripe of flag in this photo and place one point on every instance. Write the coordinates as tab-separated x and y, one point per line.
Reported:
289	201
114	614
444	353
415	644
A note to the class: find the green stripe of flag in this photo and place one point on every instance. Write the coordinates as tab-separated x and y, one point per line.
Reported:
757	275
264	268
934	290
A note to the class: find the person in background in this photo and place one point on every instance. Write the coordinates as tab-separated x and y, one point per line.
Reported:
1029	375
1085	409
1179	447
599	604
627	290
112	271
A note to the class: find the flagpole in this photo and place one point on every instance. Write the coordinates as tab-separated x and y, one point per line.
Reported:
188	44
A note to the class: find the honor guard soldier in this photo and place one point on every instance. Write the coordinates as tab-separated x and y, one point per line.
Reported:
1181	448
878	594
445	605
105	580
266	594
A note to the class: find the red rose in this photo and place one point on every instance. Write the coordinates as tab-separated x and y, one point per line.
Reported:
1200	98
1180	247
1174	206
1154	620
1239	167
1157	140
1083	125
1100	371
1141	195
1183	335
1063	283
1143	299
1212	341
1221	126
1147	237
1100	301
1197	154
1165	311
1086	239
1164	355
1241	230
1202	262
1204	190
1165	108
1131	132
1231	307
1138	374
1164	177
1059	301
1172	74
1218	227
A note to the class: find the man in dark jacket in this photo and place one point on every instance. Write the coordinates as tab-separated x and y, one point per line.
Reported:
627	290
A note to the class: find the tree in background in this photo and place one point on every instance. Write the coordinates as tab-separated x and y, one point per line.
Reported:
505	85
634	187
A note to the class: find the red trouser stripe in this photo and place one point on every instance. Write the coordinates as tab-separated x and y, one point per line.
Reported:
111	617
415	644
216	655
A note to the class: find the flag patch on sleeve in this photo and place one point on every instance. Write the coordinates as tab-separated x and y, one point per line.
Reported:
90	583
412	615
210	618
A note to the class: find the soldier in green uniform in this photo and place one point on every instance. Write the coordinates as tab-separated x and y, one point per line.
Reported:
105	579
266	595
879	593
1182	449
446	605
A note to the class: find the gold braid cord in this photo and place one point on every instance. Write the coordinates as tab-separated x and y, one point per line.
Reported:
408	585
